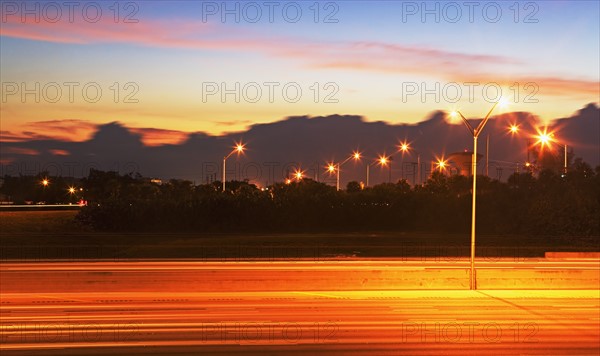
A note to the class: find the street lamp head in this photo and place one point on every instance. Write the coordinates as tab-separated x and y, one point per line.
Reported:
45	182
404	147
383	160
513	129
356	155
544	138
441	164
71	190
502	103
239	148
331	168
455	116
298	175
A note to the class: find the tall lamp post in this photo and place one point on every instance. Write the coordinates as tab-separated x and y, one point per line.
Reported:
333	167
475	132
239	148
404	147
382	160
513	129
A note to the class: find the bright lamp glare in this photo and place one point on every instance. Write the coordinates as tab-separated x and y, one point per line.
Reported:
544	138
503	102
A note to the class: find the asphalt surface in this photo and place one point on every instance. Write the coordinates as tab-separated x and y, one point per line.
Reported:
154	307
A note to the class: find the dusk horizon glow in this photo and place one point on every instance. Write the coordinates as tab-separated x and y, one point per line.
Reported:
184	67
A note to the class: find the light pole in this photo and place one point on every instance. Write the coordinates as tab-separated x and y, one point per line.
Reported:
72	192
513	129
382	160
475	132
404	147
332	167
239	148
545	138
45	183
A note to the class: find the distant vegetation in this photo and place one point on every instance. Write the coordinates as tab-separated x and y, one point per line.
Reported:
545	204
39	221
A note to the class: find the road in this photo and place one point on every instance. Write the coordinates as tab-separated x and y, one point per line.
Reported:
154	307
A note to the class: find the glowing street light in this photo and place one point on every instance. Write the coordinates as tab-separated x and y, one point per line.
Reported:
45	182
475	132
239	148
441	164
514	129
332	167
298	175
71	190
381	160
545	139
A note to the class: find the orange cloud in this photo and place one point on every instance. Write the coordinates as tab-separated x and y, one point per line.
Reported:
59	152
74	130
9	136
157	137
21	151
64	130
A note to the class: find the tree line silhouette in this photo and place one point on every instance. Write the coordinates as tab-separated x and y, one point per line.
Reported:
545	203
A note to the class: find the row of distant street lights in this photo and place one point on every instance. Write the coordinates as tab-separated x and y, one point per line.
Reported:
543	139
72	190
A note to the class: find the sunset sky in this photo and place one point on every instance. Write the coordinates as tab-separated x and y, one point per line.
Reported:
371	55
